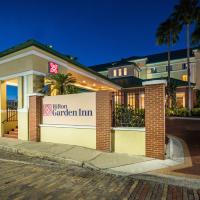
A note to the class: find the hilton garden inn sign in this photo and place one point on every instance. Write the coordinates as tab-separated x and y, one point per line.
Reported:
77	109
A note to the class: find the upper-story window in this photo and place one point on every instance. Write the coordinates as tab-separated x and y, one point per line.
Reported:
114	72
125	71
170	68
119	72
184	66
153	70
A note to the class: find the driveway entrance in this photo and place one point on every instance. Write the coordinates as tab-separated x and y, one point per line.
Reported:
187	129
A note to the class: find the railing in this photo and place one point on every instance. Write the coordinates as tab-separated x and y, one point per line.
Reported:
11	111
124	112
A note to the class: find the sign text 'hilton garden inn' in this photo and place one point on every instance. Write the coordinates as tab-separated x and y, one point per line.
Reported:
78	109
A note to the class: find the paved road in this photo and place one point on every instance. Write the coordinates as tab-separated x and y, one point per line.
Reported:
22	177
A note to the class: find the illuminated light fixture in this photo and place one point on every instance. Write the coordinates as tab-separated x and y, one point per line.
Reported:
84	82
94	85
85	87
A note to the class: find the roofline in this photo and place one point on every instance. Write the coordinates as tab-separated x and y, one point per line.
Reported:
144	58
47	49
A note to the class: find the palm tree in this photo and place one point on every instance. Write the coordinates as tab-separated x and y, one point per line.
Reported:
186	13
168	34
61	83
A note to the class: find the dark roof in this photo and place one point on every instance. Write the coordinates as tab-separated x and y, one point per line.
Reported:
127	82
48	49
131	81
177	82
106	66
161	57
154	58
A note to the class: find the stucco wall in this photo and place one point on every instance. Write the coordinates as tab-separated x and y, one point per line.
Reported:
129	140
85	137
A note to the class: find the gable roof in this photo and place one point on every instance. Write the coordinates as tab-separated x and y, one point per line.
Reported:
154	58
48	49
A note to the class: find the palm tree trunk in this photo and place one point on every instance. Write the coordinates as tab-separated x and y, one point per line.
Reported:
169	75
188	69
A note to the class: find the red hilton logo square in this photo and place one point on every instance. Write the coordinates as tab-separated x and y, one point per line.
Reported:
47	109
53	68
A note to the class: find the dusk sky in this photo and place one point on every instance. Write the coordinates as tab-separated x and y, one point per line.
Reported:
95	31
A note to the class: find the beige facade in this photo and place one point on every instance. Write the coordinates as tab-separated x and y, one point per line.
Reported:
129	140
27	68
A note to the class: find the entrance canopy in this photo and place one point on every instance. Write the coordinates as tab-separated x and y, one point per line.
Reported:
34	58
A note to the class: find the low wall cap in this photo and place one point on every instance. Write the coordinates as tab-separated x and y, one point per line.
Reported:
36	94
154	82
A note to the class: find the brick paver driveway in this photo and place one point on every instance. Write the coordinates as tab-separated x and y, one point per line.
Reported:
38	179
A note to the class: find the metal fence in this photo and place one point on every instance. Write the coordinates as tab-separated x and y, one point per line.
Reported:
125	113
12	110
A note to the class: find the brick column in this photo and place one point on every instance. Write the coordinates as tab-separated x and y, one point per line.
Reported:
155	118
103	120
35	116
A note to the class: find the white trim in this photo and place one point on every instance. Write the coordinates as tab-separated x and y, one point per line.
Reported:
187	118
11	84
34	52
67	126
30	72
72	68
141	129
16	57
22	110
36	94
154	82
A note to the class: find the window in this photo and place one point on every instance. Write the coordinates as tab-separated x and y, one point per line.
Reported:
141	101
125	71
184	66
180	99
185	78
153	70
170	68
120	72
131	99
114	72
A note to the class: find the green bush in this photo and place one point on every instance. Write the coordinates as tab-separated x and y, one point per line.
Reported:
196	112
126	116
182	112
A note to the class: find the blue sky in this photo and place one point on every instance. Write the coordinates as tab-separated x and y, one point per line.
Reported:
96	31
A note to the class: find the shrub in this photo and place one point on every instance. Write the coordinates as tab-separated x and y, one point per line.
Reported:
177	112
126	116
196	112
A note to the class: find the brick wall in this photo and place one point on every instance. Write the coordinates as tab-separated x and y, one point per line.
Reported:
103	121
35	117
155	120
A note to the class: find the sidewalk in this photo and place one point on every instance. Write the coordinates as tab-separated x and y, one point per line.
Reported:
65	153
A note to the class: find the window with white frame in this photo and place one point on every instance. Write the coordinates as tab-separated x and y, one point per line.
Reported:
119	72
114	72
131	99
180	99
125	71
141	102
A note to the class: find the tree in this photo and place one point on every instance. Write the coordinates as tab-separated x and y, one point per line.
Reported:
168	34
61	83
186	13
